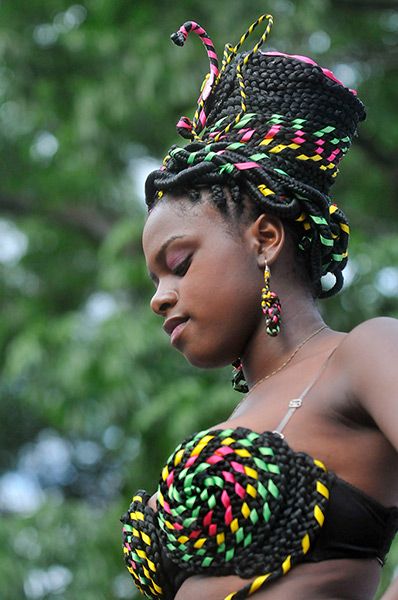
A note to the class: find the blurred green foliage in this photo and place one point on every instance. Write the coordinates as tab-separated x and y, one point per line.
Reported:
92	399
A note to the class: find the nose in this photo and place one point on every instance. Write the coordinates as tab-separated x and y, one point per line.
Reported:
163	300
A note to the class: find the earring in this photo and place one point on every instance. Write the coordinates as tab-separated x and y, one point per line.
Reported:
270	305
238	379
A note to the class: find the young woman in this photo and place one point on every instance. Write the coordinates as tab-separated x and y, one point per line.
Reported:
292	497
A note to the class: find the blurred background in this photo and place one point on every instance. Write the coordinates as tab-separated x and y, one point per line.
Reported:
92	397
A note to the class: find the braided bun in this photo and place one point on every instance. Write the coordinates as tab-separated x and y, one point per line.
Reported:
273	128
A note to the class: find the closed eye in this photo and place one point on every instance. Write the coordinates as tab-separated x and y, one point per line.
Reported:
183	267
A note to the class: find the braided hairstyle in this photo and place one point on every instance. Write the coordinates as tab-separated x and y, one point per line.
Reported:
267	136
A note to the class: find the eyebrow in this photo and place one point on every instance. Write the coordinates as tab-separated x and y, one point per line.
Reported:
161	252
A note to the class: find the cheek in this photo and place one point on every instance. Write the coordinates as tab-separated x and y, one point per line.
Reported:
222	291
225	313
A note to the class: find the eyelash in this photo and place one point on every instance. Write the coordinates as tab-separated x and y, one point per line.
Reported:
183	267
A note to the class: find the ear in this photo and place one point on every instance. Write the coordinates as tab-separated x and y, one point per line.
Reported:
266	236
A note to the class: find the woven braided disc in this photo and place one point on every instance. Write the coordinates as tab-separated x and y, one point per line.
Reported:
228	495
229	501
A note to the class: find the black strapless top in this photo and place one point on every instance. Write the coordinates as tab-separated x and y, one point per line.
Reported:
356	526
238	502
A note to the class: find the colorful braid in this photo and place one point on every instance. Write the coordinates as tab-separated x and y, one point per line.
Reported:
153	574
231	52
186	127
230	502
273	127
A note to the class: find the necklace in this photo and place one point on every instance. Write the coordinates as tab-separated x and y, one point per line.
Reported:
283	365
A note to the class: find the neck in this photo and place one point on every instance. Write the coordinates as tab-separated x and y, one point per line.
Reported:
265	354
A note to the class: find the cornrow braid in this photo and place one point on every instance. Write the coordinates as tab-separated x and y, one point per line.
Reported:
229	502
273	128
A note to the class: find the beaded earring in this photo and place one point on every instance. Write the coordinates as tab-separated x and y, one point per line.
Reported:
270	305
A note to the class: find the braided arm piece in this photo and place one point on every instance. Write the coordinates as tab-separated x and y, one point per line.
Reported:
143	552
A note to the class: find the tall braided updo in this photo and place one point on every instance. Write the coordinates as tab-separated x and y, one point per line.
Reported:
271	128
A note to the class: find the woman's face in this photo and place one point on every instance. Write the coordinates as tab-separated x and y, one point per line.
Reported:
207	280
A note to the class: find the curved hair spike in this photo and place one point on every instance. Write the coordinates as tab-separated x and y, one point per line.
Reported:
229	53
191	129
185	127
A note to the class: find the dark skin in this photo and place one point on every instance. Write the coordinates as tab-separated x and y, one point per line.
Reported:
212	272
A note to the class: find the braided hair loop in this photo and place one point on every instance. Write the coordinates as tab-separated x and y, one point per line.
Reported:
276	126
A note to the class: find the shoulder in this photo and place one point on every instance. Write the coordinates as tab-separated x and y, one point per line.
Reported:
368	356
380	328
371	349
375	339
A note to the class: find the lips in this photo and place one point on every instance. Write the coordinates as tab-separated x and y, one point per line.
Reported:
171	324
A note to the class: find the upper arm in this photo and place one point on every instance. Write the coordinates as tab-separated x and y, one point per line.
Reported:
392	592
371	357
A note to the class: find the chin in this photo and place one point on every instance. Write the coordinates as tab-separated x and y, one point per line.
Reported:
201	363
207	360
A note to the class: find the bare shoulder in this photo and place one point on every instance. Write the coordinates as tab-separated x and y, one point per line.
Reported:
374	340
370	350
369	357
377	326
373	331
